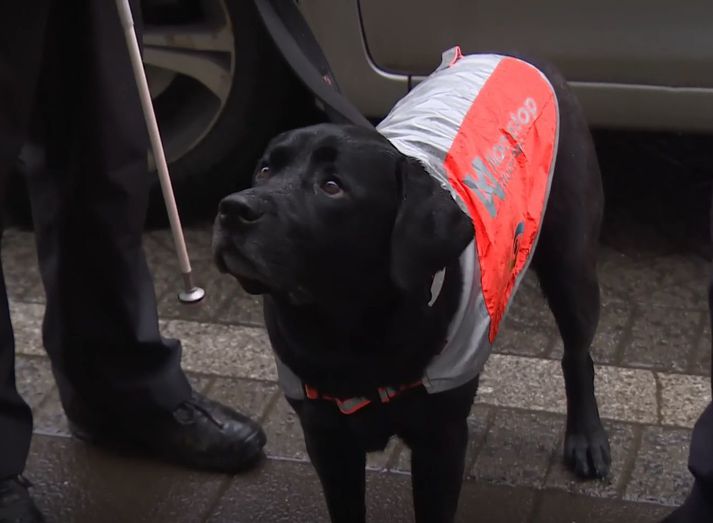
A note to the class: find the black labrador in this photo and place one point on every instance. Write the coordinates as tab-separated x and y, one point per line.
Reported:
323	235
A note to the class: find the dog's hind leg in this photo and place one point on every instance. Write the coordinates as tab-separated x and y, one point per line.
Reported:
565	262
567	274
573	295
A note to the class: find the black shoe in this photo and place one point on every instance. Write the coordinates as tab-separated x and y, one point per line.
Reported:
200	433
16	505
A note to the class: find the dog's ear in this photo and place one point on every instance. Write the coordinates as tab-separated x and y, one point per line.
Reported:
430	229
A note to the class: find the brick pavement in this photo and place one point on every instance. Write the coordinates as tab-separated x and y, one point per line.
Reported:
652	383
652	352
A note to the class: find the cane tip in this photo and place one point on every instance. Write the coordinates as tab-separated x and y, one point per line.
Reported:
192	295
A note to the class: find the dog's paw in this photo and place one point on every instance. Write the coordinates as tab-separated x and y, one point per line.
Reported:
588	453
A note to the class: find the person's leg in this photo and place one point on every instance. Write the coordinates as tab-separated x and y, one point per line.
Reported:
21	35
15	415
698	505
22	27
89	204
117	376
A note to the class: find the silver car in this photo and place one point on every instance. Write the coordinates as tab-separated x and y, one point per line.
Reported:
221	88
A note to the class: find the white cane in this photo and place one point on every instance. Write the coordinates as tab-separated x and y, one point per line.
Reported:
190	293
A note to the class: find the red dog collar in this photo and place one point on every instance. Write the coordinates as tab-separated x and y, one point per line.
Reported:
352	405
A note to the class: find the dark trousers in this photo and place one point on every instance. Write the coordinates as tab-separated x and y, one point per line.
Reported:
64	68
698	506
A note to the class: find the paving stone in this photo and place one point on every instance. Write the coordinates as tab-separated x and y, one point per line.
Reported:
282	491
626	394
403	462
613	321
163	265
675	280
250	397
627	277
514	381
210	348
168	282
225	300
158	248
284	433
525	340
517	449
162	262
683	398
611	300
389	497
241	307
379	460
685	282
19	261
288	492
702	356
621	442
562	507
537	384
225	350
494	503
198	238
34	379
198	381
76	482
646	270
660	472
49	419
27	327
662	338
278	492
478	422
529	306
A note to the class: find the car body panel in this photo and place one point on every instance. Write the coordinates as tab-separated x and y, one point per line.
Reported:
634	64
336	25
644	42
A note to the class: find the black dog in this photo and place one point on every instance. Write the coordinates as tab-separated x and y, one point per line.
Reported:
343	234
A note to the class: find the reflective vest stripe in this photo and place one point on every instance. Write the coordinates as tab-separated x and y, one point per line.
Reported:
499	164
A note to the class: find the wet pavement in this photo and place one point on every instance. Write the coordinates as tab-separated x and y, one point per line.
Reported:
652	355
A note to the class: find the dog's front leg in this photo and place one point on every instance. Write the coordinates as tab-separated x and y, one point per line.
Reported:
339	462
437	463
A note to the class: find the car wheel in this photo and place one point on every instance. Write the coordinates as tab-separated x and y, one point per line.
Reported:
220	89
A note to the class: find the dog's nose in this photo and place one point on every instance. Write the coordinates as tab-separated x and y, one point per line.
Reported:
238	209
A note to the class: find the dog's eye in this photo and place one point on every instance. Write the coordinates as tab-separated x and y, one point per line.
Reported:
331	188
262	174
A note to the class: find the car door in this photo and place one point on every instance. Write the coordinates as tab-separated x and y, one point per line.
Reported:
633	63
647	42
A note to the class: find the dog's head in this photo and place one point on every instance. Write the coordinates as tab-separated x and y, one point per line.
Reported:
336	212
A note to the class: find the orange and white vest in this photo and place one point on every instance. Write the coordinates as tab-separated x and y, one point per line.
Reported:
486	128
